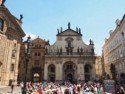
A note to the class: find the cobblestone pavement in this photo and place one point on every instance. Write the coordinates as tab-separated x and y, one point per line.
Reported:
7	90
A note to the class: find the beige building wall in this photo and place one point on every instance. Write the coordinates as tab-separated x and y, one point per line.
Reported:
10	39
98	66
114	48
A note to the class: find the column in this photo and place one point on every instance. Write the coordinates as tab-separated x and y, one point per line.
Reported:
83	71
93	71
46	72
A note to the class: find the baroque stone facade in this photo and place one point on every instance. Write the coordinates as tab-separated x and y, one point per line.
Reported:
11	35
114	49
37	60
69	58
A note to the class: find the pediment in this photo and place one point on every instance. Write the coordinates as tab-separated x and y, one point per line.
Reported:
69	32
38	40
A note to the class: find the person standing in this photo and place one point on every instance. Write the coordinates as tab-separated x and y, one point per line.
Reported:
12	87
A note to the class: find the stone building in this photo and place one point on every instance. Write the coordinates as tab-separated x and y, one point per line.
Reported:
11	35
69	58
98	66
114	49
37	60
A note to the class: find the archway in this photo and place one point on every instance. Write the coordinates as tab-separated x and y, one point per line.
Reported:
70	77
36	74
51	73
36	77
69	71
88	71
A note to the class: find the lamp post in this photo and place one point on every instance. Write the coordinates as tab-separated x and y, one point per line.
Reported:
27	54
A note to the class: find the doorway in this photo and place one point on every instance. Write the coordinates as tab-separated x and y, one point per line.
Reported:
70	77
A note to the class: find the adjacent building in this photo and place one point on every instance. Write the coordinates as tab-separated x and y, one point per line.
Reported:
11	35
35	69
114	49
98	67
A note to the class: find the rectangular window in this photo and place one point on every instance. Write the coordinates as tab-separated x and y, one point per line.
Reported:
12	67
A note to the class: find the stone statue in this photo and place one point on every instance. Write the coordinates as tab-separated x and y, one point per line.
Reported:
92	49
81	50
90	42
2	2
58	31
21	17
61	29
76	29
79	31
46	50
69	25
78	50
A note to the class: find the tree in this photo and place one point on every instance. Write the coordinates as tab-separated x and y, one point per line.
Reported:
113	70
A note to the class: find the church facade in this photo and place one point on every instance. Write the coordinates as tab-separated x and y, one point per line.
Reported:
69	58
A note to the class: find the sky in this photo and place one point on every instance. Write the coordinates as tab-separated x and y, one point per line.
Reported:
43	17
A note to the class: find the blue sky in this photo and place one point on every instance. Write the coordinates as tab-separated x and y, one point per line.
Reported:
95	17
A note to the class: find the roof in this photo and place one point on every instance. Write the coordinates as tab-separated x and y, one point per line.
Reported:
69	32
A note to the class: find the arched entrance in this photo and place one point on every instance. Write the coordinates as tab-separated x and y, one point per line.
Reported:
36	74
69	71
51	73
88	71
36	77
70	77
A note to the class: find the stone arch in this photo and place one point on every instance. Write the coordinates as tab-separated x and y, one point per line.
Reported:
70	71
51	72
88	72
36	74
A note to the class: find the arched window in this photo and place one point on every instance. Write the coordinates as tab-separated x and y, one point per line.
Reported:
1	24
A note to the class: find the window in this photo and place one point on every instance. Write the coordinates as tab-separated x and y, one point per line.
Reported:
52	69
12	67
1	24
69	66
35	54
39	54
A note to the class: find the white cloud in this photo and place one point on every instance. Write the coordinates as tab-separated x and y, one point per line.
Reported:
33	36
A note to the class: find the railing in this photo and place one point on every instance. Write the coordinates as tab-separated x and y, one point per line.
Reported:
65	53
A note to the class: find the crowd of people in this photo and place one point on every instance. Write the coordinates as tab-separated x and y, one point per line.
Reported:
68	88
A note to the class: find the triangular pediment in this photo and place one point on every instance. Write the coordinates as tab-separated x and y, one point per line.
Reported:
69	32
38	40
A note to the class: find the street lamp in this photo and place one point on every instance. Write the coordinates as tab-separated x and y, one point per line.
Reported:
27	43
